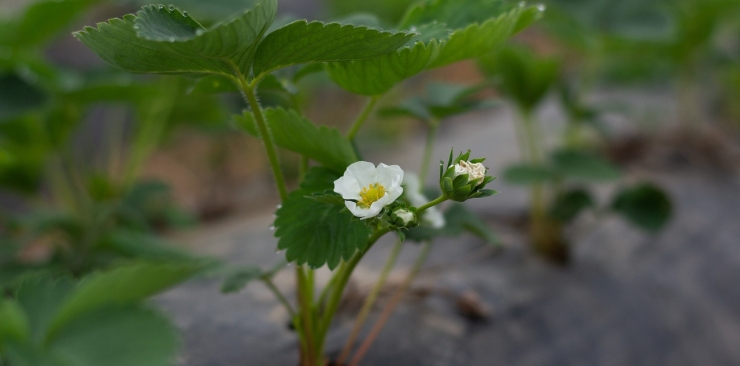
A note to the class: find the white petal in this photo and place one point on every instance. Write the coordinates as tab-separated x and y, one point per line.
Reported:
389	176
348	187
391	195
364	213
364	172
433	218
411	181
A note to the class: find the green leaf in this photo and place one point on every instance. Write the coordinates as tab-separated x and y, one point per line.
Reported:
479	39
301	42
581	165
293	132
121	286
164	40
123	336
644	205
14	324
376	76
523	174
41	297
143	246
455	13
569	204
40	22
239	278
316	233
523	76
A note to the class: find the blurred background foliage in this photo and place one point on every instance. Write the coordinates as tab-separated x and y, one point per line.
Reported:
96	165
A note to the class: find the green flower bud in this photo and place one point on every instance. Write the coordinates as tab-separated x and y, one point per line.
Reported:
464	179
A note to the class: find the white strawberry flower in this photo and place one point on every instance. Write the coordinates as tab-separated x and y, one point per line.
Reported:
366	189
431	217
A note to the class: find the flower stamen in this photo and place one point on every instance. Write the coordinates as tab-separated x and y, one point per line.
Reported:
370	194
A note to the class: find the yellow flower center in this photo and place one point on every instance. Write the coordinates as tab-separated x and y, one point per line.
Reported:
371	194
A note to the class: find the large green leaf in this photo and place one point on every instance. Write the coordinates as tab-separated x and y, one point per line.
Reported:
317	233
18	97
644	205
119	287
117	337
165	40
295	133
375	76
479	39
580	165
568	205
41	298
302	42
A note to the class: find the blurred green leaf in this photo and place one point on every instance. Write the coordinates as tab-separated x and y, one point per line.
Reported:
295	133
40	22
455	13
144	246
316	233
302	42
458	219
41	297
238	279
568	205
521	75
18	97
524	174
644	205
165	40
580	165
119	287
124	336
14	324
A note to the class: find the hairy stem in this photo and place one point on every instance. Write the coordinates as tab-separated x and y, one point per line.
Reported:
397	297
369	302
271	285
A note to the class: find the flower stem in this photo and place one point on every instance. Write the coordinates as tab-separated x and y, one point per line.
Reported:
397	297
436	201
364	114
271	285
341	282
369	302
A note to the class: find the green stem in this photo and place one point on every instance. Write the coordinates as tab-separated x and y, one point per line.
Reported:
308	330
369	302
271	285
259	118
343	277
436	201
428	149
364	114
397	296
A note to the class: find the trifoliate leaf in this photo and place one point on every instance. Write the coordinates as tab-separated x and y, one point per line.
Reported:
375	76
569	204
580	165
295	133
302	42
524	174
479	39
316	233
126	336
165	40
645	206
